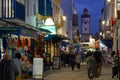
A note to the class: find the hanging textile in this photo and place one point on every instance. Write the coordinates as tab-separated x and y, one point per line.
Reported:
26	40
5	43
29	42
19	42
23	42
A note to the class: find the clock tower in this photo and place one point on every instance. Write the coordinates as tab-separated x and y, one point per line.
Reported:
85	24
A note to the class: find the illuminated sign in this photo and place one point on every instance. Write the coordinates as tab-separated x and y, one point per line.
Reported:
18	31
49	21
52	29
10	30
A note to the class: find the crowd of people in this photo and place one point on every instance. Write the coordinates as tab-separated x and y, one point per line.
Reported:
71	59
94	62
13	69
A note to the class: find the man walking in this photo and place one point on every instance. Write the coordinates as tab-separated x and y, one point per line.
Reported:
98	56
72	60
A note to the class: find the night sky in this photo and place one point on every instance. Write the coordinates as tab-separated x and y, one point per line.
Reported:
94	8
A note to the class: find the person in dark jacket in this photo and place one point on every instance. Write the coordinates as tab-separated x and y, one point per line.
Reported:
98	56
8	70
91	66
18	63
72	60
114	64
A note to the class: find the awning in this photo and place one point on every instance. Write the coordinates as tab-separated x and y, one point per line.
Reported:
108	43
43	30
48	37
55	38
20	28
64	43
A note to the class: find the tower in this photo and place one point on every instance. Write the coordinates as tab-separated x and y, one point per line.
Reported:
85	24
75	31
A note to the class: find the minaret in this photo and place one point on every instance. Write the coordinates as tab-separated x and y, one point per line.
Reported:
75	31
85	24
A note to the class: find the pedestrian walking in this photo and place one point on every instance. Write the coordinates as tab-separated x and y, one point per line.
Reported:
114	64
72	60
82	56
8	70
17	61
91	66
78	60
98	56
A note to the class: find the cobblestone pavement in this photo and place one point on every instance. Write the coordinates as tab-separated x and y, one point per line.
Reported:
67	74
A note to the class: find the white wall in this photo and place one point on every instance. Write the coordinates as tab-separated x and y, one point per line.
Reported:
67	6
31	7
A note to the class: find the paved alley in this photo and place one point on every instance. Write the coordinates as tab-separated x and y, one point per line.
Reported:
67	74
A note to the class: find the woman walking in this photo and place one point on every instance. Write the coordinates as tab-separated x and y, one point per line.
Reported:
91	66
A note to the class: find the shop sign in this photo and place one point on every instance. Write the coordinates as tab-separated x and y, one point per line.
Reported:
52	29
10	30
38	68
56	62
18	31
28	32
107	28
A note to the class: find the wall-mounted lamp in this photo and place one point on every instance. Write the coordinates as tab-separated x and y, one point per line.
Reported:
64	18
108	1
100	33
103	22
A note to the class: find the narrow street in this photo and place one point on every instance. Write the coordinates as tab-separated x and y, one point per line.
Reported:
67	74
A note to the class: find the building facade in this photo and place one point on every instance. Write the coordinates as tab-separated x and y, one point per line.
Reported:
108	24
68	11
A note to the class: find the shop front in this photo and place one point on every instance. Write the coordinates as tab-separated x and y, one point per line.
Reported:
18	39
53	47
